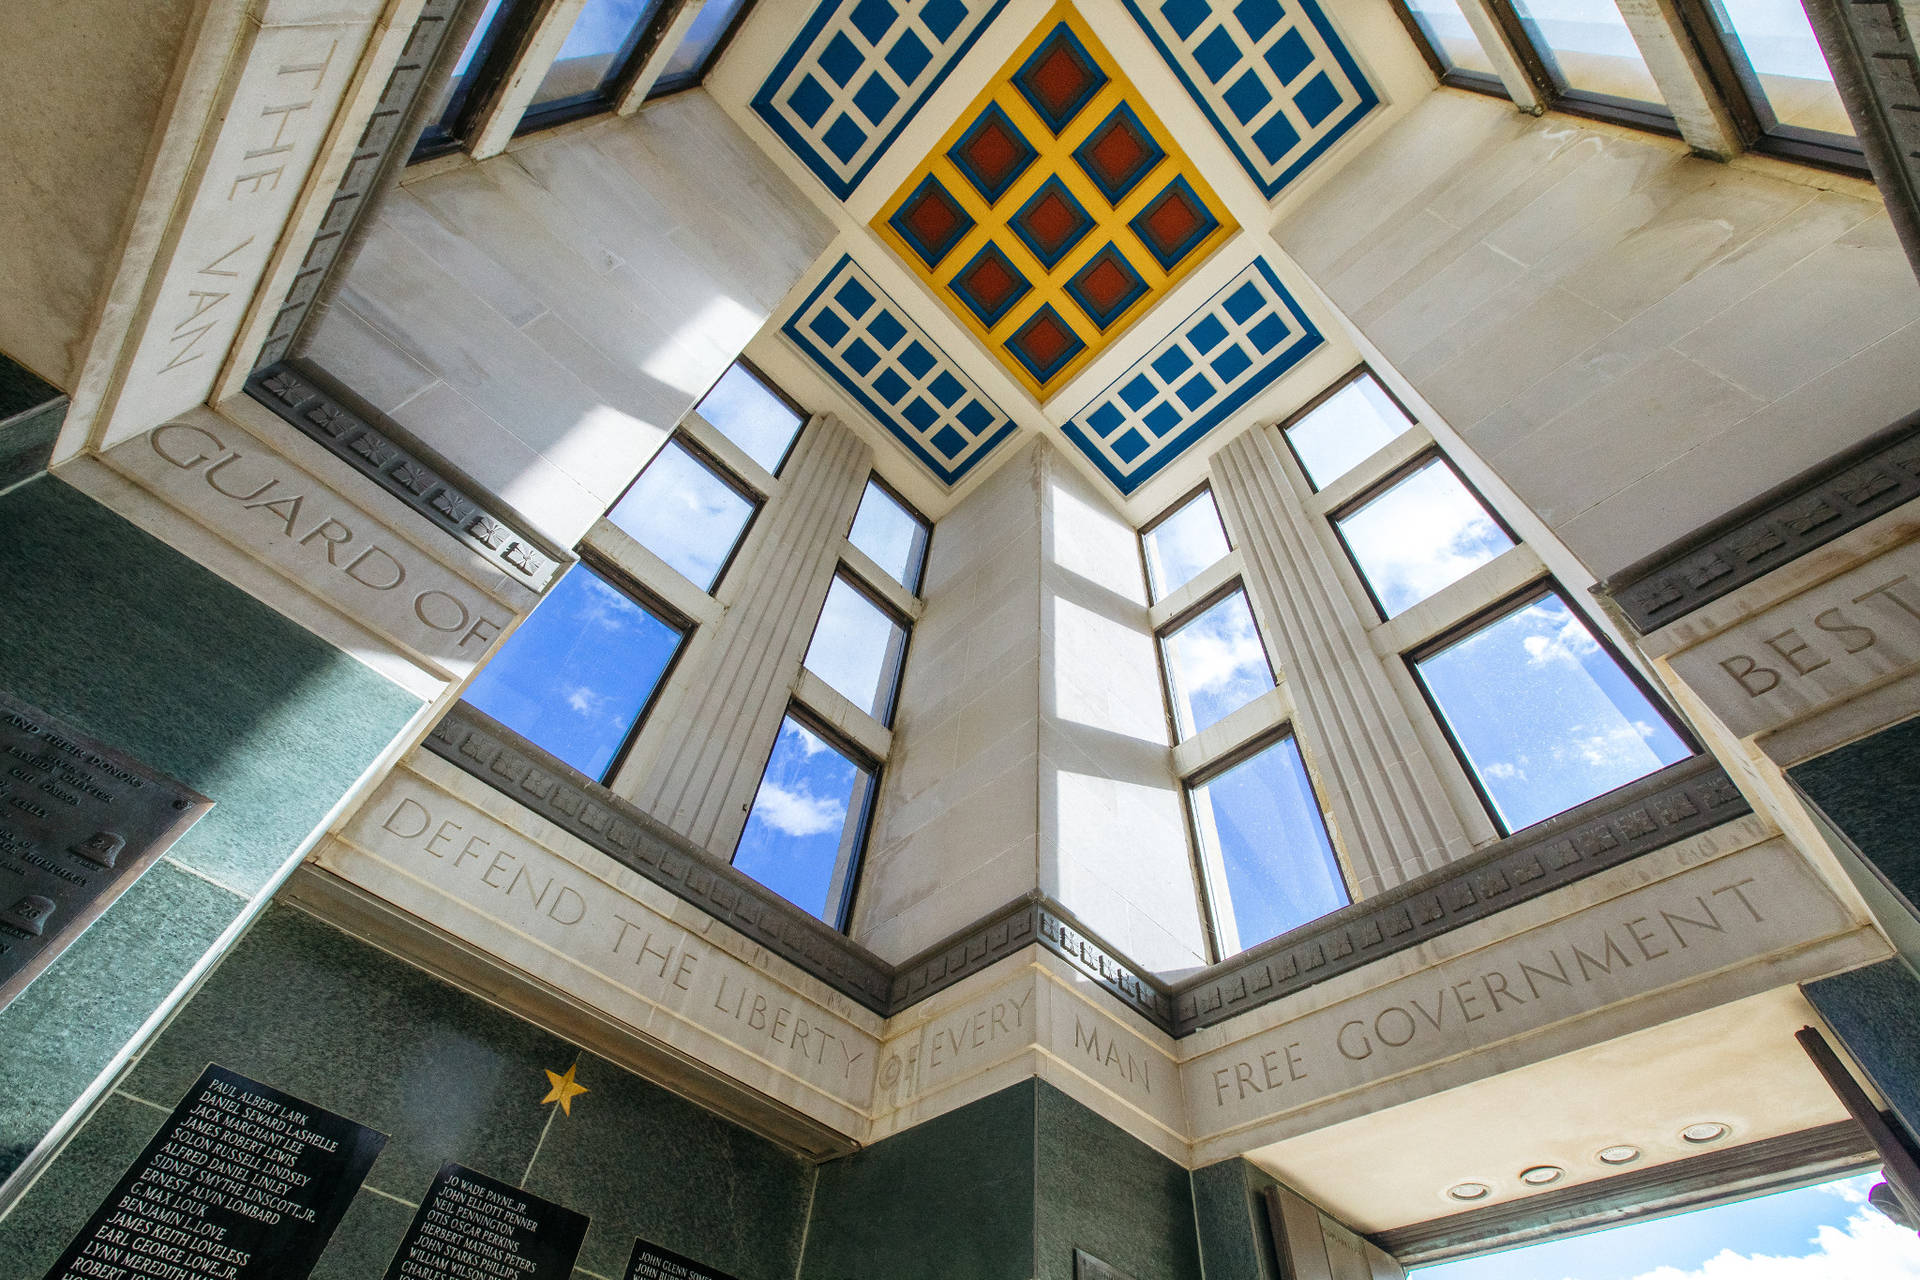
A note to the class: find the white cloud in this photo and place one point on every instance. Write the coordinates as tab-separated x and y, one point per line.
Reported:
799	812
585	701
1569	642
1617	746
1869	1248
1217	650
1505	771
1424	533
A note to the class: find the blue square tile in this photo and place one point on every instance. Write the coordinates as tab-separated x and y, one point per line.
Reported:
843	137
890	386
828	327
921	414
1246	300
1129	446
1163	419
909	56
947	389
1276	138
1171	363
1231	363
873	19
1269	334
1207	334
860	357
1258	16
876	98
840	59
975	417
1247	97
1318	100
886	330
948	443
854	298
917	360
1289	57
943	17
1217	54
810	100
1196	391
1138	392
1105	420
1184	16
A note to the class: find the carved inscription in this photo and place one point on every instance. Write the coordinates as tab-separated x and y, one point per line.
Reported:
1113	1057
471	1227
951	1045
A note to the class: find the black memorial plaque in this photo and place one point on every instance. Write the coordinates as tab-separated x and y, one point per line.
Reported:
243	1182
79	823
472	1227
651	1262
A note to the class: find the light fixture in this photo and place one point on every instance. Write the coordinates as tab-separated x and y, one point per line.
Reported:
1704	1132
1470	1191
1623	1153
1542	1175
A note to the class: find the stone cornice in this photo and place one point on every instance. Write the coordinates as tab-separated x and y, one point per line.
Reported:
1806	512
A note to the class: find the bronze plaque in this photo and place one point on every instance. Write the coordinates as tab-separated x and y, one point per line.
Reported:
79	823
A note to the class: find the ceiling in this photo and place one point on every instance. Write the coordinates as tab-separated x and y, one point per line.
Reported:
1054	215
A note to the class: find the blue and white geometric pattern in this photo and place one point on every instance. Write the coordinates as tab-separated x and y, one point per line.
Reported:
866	342
857	72
1220	357
1272	75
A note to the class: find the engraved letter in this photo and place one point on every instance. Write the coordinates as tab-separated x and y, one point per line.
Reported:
1751	673
1833	622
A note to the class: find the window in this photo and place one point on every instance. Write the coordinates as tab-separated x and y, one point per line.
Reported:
804	834
1351	424
704	42
892	535
1544	715
443	134
585	76
1264	850
1774	67
687	511
1454	50
1183	543
858	649
744	409
577	677
1587	49
1423	531
1215	663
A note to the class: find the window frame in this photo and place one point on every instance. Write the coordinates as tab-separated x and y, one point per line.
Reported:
779	393
879	482
1651	117
756	501
613	87
501	46
1446	73
1285	425
1190	614
1498	610
663	88
1393	476
1167	513
632	588
844	572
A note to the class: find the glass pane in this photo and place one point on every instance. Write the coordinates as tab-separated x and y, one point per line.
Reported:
1544	715
856	649
1347	428
575	675
453	95
1587	46
742	408
807	821
1183	544
1425	532
685	514
1216	665
892	536
597	46
1787	65
689	61
1266	849
1447	30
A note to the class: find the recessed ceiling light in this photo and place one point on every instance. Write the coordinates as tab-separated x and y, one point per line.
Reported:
1621	1154
1470	1191
1542	1175
1705	1132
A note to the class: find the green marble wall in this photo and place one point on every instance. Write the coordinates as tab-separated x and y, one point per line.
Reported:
1102	1190
31	412
1230	1218
1871	790
1876	1012
114	632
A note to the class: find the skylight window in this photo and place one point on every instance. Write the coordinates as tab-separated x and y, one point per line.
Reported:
858	649
596	53
687	512
1588	49
442	134
705	41
1346	428
804	834
1184	543
1263	843
1544	715
1215	663
753	415
577	676
1423	532
1781	75
1445	26
891	535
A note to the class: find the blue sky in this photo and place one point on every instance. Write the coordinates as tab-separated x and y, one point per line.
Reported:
793	833
1819	1233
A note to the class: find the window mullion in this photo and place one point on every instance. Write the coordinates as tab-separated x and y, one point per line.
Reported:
1675	63
670	27
1506	48
511	94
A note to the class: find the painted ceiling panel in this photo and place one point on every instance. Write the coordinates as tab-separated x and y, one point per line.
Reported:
1056	211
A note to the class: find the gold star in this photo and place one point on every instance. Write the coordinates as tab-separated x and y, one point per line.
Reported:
564	1090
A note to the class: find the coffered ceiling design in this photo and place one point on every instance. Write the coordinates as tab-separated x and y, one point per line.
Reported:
1056	211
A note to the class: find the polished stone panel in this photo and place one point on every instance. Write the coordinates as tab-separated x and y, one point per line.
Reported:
1875	1011
32	1236
1871	789
1230	1220
1105	1191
